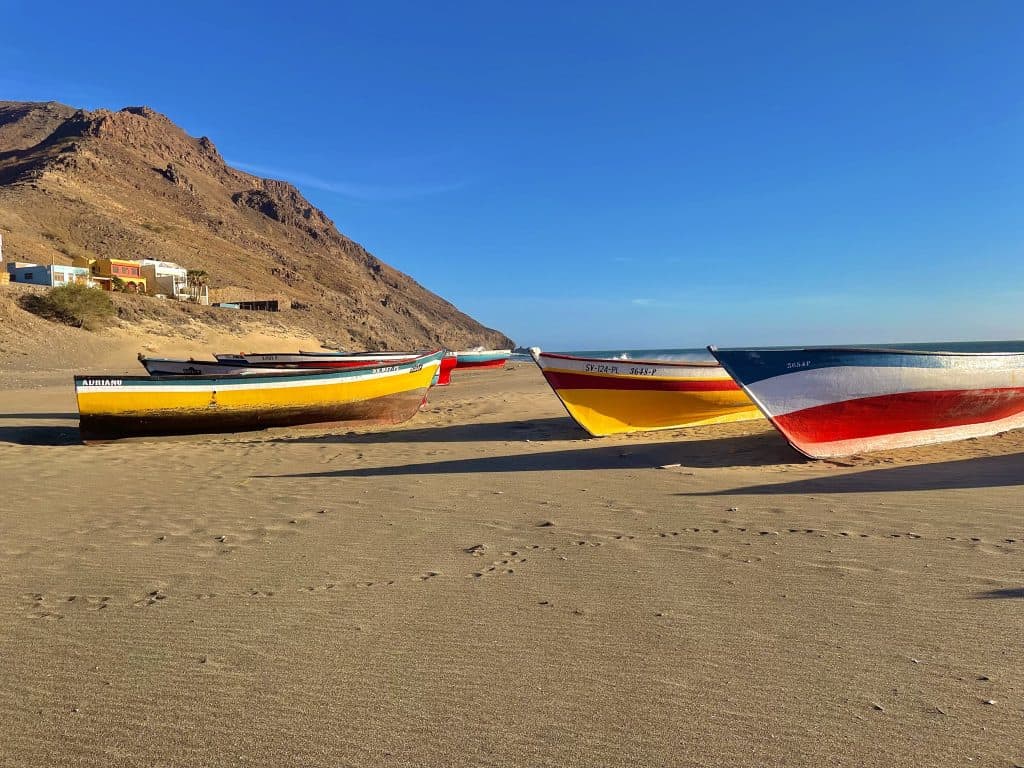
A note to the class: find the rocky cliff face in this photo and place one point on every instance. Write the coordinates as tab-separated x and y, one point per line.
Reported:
131	184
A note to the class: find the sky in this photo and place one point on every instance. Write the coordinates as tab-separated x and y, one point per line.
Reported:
593	175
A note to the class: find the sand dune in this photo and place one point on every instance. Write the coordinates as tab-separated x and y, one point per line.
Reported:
485	585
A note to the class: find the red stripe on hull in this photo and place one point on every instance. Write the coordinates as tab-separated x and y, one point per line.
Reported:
894	414
499	363
561	380
444	378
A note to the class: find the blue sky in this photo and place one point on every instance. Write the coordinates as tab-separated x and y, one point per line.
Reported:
610	175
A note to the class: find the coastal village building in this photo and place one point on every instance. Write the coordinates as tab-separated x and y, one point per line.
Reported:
165	277
236	297
105	271
49	274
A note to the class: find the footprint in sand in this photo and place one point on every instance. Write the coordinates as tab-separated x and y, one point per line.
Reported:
505	565
41	605
46	615
151	598
320	587
819	533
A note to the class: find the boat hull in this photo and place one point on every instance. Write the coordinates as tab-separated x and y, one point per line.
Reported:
160	366
316	360
493	358
448	363
834	402
114	407
609	397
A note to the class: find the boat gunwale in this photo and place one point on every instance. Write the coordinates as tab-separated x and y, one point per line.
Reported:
870	350
249	371
645	361
287	374
371	355
316	355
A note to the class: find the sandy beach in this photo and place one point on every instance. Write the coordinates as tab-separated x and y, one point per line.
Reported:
485	585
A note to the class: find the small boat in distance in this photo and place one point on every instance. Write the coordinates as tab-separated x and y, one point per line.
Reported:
482	358
111	406
317	359
615	396
839	401
165	366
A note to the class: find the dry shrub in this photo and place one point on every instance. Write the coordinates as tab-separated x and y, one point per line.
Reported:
75	305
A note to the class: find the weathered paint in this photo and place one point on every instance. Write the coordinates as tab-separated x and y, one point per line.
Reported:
608	397
162	366
111	407
838	401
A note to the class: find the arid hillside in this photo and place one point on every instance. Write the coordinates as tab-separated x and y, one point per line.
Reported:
131	184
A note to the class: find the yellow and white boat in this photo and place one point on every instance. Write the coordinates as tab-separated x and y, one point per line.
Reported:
612	396
125	406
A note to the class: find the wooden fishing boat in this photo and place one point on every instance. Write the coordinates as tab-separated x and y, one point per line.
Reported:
317	359
482	358
165	366
838	401
448	363
123	406
609	397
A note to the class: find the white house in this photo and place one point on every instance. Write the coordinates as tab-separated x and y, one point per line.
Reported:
165	277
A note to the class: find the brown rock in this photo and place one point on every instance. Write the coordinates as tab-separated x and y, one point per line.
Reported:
126	183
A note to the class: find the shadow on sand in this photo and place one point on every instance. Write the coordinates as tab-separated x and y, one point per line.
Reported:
38	416
40	435
536	430
980	472
1002	594
747	450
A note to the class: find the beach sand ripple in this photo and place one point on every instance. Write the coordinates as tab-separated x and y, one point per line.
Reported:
485	585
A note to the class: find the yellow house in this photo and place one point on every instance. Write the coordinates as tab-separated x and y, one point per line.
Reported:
106	270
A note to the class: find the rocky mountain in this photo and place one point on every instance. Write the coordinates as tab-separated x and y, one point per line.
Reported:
132	184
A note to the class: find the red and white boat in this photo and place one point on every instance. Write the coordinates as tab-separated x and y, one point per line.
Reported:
839	401
482	358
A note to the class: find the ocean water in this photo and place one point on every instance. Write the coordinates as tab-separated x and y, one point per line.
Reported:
701	354
680	355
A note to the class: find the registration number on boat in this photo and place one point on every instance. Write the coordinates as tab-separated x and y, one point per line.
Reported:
799	364
642	371
600	368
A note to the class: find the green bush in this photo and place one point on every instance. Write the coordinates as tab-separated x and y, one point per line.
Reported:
75	305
